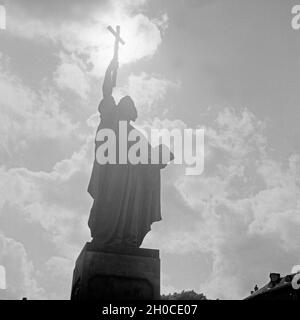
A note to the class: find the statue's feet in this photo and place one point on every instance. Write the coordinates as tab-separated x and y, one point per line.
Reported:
128	242
132	243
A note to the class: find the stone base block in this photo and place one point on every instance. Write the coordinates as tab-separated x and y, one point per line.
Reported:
116	273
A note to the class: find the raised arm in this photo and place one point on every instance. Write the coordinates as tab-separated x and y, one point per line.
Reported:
108	83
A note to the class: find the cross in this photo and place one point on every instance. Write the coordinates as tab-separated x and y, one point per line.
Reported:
118	40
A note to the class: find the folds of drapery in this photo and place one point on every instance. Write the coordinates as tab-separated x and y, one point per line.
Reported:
126	197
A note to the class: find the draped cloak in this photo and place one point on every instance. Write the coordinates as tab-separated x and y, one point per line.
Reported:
126	196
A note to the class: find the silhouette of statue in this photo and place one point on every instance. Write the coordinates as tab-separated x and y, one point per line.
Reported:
126	196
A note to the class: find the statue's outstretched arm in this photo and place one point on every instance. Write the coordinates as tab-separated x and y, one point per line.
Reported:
107	87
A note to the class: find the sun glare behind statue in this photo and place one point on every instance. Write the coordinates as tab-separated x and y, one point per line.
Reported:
141	40
141	37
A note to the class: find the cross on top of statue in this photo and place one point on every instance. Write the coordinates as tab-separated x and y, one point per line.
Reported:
118	40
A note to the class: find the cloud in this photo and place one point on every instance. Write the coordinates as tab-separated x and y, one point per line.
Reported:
241	216
70	74
20	273
47	196
148	92
49	200
28	115
89	40
56	278
54	206
243	211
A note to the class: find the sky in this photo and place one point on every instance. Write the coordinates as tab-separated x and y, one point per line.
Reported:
231	67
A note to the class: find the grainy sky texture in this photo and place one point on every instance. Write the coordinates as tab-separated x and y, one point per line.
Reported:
231	67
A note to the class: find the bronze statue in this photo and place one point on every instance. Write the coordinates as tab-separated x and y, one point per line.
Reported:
126	196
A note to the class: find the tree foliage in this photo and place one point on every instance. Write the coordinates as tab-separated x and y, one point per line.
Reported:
184	295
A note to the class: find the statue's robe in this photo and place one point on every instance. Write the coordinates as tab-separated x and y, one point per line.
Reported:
126	197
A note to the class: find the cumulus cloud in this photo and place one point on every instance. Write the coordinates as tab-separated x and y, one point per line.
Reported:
56	277
28	115
241	216
70	74
148	92
244	209
90	41
20	272
52	203
235	214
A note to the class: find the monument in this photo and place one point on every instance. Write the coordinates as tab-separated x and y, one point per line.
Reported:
126	201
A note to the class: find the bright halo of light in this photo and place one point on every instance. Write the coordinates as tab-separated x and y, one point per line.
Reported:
141	36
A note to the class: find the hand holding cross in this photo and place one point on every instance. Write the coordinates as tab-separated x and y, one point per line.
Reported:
118	40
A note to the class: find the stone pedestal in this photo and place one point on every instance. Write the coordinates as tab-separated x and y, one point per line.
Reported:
116	273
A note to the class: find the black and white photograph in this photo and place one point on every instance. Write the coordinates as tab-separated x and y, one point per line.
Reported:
149	151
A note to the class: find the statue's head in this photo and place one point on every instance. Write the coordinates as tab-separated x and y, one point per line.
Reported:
127	109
